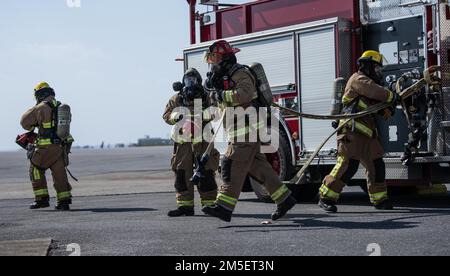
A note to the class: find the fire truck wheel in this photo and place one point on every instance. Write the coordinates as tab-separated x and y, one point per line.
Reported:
281	163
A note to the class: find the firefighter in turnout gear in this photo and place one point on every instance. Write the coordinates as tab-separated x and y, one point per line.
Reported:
359	142
235	87
189	144
49	151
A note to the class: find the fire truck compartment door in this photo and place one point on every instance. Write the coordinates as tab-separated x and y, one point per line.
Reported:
317	55
277	55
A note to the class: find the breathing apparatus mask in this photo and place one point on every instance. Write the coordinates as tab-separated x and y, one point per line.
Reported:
191	87
217	71
372	70
44	93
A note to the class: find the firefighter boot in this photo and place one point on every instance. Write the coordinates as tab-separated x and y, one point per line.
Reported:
284	207
63	205
39	204
385	205
218	212
182	211
328	206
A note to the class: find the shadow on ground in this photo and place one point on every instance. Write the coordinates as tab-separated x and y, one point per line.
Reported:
112	210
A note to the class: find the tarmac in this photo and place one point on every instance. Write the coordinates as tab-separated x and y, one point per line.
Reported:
122	198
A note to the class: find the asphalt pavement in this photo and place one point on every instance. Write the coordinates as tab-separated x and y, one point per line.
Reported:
123	223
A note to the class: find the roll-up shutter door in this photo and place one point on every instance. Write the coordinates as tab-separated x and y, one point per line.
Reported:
317	74
275	54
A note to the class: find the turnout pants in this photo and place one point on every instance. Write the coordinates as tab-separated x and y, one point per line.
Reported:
51	158
356	149
184	161
244	159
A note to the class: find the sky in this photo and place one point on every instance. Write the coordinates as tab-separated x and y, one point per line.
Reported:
112	61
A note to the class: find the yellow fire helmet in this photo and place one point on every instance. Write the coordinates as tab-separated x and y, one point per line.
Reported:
41	85
372	56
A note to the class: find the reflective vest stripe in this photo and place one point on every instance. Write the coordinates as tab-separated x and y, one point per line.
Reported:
47	125
208	202
361	128
364	129
390	96
346	100
227	199
338	167
246	130
182	203
280	193
229	97
378	197
42	192
44	142
63	195
326	192
362	105
36	174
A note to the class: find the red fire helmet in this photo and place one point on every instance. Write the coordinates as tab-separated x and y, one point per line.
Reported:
218	50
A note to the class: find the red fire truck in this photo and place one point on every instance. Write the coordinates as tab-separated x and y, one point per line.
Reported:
304	45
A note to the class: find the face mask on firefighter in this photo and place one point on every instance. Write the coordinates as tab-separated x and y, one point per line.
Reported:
190	81
192	89
378	72
213	58
214	68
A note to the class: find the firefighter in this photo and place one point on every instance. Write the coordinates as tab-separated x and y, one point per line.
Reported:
359	141
48	152
187	152
235	87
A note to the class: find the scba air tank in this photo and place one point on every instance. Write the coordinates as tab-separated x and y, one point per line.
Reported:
266	96
63	121
338	93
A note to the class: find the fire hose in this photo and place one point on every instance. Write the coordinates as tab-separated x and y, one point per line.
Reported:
199	172
430	78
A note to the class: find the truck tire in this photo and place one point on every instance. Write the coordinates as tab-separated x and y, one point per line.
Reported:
281	163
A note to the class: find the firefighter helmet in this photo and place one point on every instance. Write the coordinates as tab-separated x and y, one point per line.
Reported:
219	52
373	56
41	85
42	91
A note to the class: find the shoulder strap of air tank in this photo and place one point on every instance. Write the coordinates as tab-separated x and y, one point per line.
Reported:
246	67
236	68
